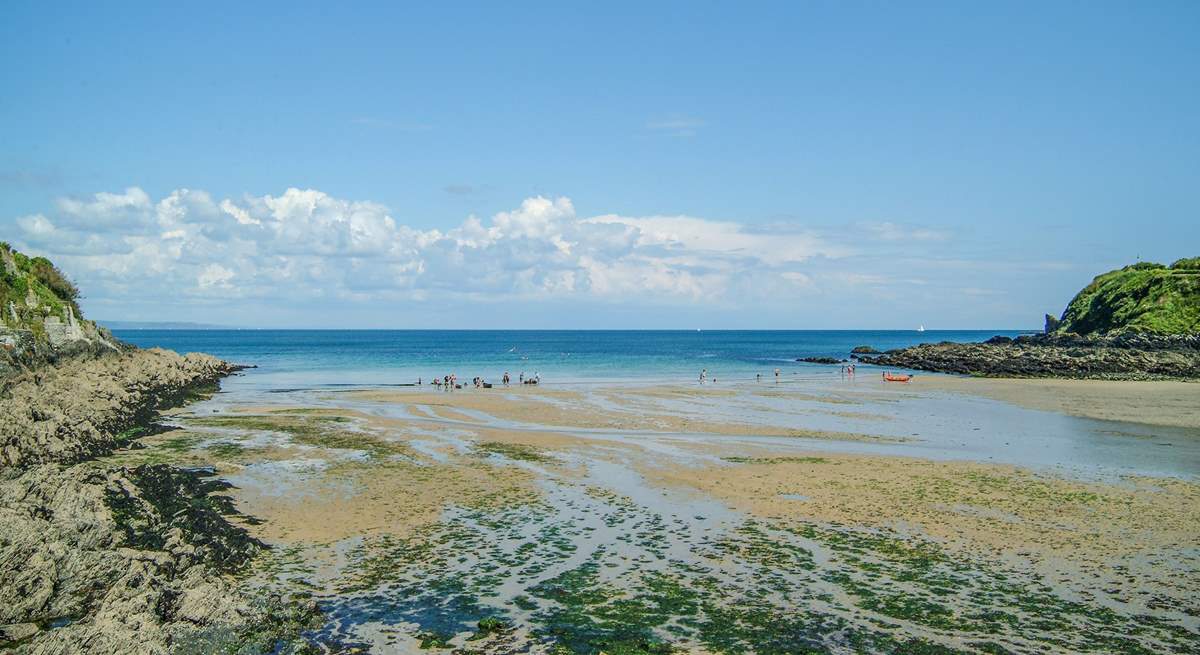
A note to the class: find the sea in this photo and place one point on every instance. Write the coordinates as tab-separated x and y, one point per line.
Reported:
314	358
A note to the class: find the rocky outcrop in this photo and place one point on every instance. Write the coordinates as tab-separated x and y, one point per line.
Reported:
864	350
89	406
1129	356
1141	322
129	560
820	360
109	559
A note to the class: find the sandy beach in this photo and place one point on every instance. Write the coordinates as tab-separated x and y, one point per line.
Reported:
1153	403
518	498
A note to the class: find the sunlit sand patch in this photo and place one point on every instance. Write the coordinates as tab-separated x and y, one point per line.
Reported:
528	411
1153	402
993	510
801	394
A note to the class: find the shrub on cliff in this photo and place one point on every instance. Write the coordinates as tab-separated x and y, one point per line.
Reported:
22	276
1143	297
39	316
53	278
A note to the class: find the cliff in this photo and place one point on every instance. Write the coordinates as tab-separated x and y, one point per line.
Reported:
40	320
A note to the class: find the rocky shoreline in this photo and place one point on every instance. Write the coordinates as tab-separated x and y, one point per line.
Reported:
1129	356
90	405
106	559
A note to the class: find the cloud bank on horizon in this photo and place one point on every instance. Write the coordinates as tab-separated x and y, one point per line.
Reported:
307	247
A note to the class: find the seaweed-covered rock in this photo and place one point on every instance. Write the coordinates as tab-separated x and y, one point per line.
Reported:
864	350
129	560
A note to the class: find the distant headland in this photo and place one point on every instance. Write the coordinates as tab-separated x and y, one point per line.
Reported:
1140	322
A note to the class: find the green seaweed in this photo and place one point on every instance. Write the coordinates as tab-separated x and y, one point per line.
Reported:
776	460
515	451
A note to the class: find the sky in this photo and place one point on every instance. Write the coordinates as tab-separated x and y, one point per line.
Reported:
604	165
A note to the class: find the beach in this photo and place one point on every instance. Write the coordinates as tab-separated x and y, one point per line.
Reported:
819	512
1168	403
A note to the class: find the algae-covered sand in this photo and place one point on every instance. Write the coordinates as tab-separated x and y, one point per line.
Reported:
745	518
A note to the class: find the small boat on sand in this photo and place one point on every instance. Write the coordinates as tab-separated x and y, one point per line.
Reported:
896	377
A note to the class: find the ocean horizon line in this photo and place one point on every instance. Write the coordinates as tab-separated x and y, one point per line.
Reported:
123	328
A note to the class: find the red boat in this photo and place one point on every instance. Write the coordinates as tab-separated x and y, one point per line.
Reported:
896	377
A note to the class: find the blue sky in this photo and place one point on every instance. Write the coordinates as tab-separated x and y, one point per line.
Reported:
765	165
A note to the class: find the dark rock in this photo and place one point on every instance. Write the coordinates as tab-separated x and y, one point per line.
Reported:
1126	356
864	350
820	360
128	560
998	340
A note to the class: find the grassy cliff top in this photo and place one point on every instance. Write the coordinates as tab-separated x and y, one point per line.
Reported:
1144	297
32	288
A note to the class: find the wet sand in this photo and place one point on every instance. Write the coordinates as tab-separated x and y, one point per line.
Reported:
580	514
1175	404
557	409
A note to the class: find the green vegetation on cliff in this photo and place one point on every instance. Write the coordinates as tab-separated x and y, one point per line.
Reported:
39	317
32	288
1144	297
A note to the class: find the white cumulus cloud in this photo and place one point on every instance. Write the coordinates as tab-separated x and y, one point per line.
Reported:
304	244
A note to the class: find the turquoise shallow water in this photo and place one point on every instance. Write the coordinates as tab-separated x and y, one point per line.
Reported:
324	357
306	364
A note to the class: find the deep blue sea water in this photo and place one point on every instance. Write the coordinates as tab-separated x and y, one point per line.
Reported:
320	357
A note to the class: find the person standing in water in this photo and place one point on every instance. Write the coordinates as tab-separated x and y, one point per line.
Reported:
703	375
776	376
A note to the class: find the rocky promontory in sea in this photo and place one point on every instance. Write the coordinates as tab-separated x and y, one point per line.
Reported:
96	558
1141	322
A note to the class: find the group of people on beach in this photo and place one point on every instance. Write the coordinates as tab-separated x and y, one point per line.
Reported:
449	382
848	370
521	379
